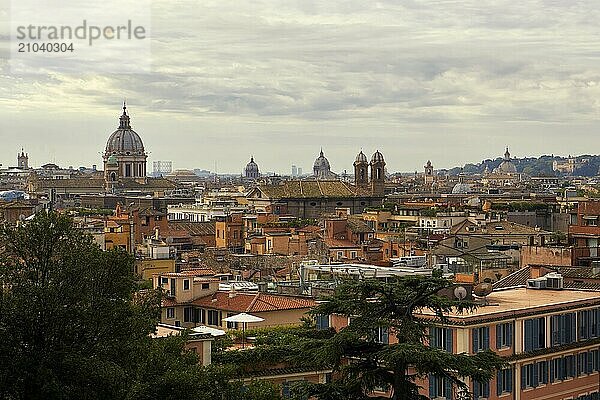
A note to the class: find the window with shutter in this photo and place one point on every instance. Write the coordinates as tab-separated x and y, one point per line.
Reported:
504	335
534	334
481	338
504	381
542	372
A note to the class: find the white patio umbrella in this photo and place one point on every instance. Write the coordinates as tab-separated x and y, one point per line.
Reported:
244	319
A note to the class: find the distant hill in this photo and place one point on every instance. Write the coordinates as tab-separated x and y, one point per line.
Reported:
587	165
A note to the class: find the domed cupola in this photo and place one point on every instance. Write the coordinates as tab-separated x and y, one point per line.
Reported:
321	167
251	171
124	155
124	141
361	158
506	166
377	157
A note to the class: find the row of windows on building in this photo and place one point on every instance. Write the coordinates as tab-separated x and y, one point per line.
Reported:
202	316
188	217
442	338
564	329
532	375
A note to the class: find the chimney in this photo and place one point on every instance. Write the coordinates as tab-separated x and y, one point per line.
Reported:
232	292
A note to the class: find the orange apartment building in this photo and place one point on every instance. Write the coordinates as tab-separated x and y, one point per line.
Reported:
193	300
229	232
274	234
550	339
584	235
349	238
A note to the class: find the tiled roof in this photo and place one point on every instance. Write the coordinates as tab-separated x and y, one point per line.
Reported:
338	243
311	189
582	285
15	204
499	228
358	225
194	228
92	183
517	278
151	183
576	272
310	229
168	302
520	277
198	272
253	302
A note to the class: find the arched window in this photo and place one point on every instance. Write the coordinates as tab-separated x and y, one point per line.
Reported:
113	176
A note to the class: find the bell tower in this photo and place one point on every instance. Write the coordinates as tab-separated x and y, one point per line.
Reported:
377	174
361	171
428	173
23	160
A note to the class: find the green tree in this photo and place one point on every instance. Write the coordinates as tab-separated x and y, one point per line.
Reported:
73	325
364	363
359	361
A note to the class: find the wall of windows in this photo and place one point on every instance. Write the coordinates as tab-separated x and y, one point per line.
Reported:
213	318
562	368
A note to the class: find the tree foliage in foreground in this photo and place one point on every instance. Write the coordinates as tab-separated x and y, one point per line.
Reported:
360	363
73	326
394	306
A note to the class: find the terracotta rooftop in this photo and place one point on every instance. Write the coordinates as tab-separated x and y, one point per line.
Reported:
311	189
335	243
499	228
253	302
194	228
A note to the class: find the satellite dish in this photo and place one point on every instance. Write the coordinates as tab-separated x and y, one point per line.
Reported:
460	292
483	289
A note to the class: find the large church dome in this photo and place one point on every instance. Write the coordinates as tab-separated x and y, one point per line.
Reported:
321	168
251	170
124	155
321	163
506	166
124	141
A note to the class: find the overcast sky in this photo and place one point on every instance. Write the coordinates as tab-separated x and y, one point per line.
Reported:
449	81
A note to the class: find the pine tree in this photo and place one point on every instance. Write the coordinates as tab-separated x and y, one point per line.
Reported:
363	363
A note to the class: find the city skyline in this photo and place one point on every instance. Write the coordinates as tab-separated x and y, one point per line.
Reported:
273	81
